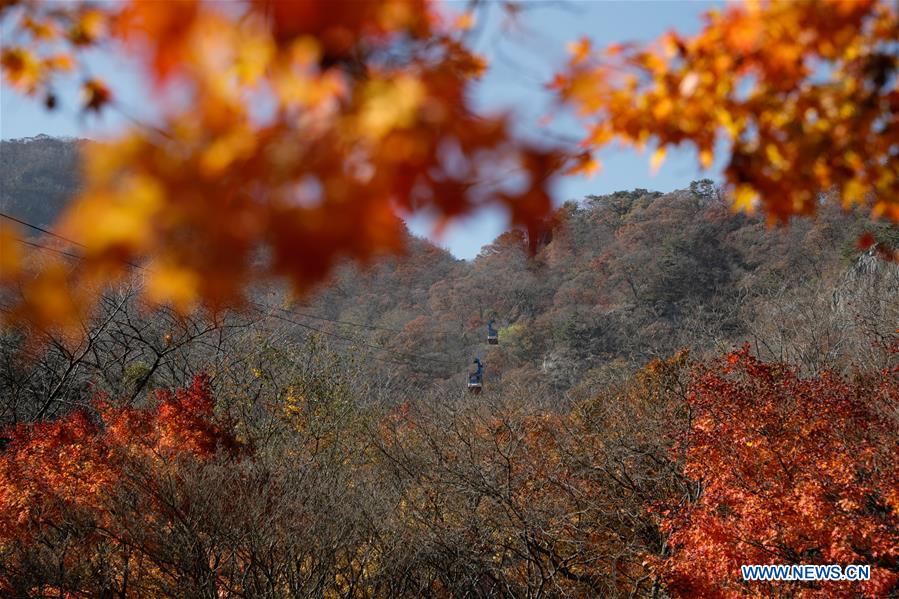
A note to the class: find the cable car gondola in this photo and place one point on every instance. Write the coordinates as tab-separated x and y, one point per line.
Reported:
476	379
492	334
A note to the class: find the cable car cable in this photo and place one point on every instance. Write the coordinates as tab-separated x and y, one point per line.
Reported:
257	304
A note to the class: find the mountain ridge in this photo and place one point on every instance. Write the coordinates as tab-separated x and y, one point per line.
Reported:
624	278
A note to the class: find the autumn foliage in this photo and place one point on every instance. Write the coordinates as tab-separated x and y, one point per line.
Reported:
62	484
665	484
798	97
793	470
289	137
295	128
291	133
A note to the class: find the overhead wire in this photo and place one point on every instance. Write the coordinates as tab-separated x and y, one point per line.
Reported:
346	322
50	249
286	310
342	338
260	306
58	236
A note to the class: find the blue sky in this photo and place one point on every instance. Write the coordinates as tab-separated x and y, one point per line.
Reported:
523	58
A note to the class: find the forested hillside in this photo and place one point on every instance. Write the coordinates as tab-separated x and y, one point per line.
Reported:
626	442
38	177
229	371
627	278
623	279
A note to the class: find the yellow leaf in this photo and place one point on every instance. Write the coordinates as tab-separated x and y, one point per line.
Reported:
236	145
774	156
663	108
586	167
253	57
91	26
658	157
727	121
853	193
579	50
465	21
116	219
40	30
745	198
175	285
49	297
390	104
21	68
60	62
305	52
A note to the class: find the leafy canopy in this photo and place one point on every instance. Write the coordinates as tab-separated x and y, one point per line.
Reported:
799	97
291	132
794	470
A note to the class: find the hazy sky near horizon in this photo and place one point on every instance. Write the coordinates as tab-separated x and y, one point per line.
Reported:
522	59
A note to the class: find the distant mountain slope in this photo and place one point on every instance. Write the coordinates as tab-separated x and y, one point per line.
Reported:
38	176
626	277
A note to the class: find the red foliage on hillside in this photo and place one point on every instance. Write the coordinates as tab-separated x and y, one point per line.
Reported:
794	470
